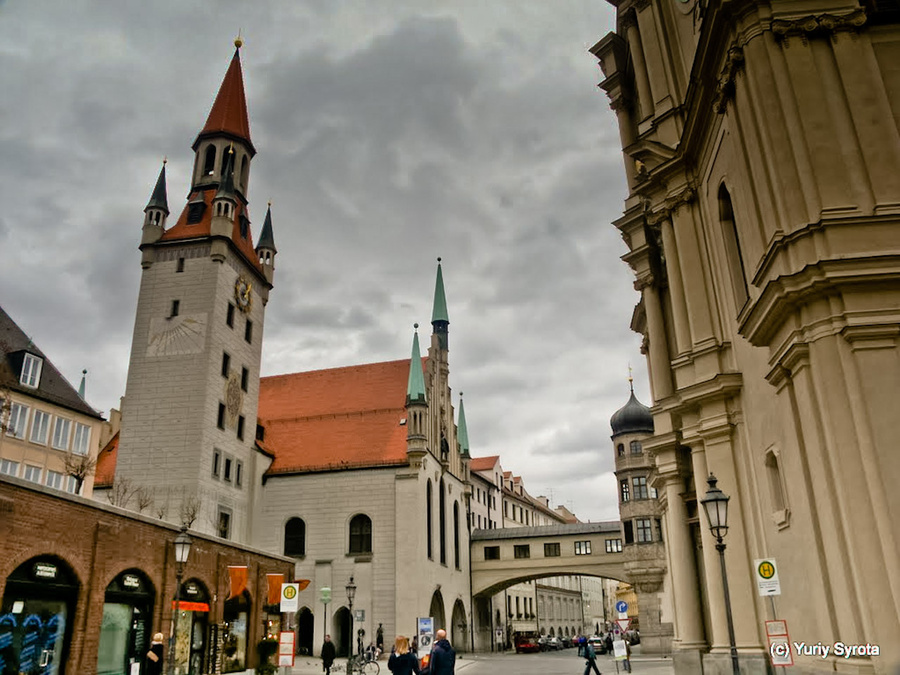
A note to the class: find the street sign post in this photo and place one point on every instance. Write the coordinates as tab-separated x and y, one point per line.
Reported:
621	606
290	598
286	648
779	643
767	577
425	631
623	624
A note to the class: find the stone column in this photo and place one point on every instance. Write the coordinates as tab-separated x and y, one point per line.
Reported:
641	80
676	288
660	365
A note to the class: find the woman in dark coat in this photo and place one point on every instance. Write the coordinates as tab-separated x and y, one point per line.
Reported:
402	661
328	654
155	655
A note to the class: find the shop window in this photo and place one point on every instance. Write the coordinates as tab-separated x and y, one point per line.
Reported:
360	534
234	649
126	627
295	537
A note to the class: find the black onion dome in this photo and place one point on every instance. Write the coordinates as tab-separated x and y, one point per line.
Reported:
634	417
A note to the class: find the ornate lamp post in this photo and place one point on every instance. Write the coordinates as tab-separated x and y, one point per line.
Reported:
351	593
715	503
182	550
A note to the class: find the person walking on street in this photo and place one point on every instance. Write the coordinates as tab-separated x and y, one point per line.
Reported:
627	662
328	654
155	655
590	655
402	661
443	656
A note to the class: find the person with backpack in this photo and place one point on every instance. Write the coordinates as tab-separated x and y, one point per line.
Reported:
590	654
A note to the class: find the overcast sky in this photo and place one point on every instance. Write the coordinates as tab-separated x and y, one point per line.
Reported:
388	134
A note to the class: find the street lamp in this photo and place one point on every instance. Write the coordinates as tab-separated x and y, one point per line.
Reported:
351	593
182	550
716	506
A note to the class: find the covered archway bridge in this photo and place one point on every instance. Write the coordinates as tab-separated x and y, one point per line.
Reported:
503	557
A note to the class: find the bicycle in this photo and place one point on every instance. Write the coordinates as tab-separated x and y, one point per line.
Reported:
364	664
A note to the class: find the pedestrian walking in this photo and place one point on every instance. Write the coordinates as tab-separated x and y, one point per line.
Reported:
328	654
443	656
402	661
155	655
627	662
590	655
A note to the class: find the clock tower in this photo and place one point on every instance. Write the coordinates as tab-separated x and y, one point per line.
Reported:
189	413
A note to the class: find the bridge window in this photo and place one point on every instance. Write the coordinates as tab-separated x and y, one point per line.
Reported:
644	531
522	551
636	448
360	534
624	485
640	487
551	550
583	547
492	553
613	545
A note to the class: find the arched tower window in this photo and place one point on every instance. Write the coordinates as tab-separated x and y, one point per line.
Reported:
295	537
733	255
209	162
620	449
428	519
245	172
224	162
360	534
442	516
456	534
636	447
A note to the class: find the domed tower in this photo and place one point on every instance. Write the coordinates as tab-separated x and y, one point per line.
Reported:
641	514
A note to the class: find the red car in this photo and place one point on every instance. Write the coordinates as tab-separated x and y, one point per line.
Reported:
527	644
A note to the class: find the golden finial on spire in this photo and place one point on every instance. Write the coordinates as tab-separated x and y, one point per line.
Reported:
630	379
165	159
270	204
231	148
239	41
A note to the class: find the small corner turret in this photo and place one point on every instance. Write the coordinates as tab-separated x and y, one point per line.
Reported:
265	249
416	404
440	321
156	211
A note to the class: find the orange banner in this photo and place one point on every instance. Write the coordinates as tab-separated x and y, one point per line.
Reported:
238	578
275	581
191	606
303	583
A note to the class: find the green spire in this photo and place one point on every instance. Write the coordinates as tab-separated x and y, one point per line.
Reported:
81	386
266	238
159	200
415	389
440	299
462	433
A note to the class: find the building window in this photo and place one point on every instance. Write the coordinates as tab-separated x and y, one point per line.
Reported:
16	423
640	487
644	530
226	475
220	419
505	509
31	371
81	441
733	257
442	522
295	537
239	473
223	528
428	519
628	529
620	449
217	463
54	479
40	427
226	364
776	489
240	427
636	448
32	473
456	535
658	523
9	467
245	376
209	162
624	489
248	331
179	266
229	316
360	534
71	485
61	433
551	550
176	306
522	551
583	547
492	553
613	545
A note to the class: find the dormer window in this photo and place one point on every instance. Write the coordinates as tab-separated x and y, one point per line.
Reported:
31	371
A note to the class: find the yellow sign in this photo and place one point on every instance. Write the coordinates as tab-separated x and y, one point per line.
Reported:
766	569
290	592
767	576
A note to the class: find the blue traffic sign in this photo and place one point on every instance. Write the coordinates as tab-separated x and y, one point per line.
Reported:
621	606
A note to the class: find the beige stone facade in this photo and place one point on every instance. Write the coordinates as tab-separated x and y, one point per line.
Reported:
762	153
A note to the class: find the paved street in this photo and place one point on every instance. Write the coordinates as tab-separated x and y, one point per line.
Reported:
565	662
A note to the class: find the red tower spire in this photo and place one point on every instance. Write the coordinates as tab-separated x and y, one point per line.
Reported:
228	116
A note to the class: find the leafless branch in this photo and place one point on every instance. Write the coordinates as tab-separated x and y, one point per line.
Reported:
121	492
190	509
79	467
144	498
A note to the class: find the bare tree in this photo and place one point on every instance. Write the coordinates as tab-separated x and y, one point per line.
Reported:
121	492
190	509
161	511
144	498
6	381
80	467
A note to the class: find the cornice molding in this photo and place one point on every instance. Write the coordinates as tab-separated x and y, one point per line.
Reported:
818	24
671	205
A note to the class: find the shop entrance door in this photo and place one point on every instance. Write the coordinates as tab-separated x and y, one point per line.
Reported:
125	628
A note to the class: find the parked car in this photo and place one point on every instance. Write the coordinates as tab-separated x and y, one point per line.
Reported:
527	644
598	643
554	643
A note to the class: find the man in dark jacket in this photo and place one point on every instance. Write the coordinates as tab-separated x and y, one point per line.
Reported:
327	655
443	656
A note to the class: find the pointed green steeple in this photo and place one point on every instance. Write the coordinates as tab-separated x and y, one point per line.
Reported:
415	389
462	432
81	386
159	198
266	238
440	321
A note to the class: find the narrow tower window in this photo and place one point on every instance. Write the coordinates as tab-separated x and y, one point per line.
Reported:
428	519
456	535
734	259
176	305
209	162
360	534
442	524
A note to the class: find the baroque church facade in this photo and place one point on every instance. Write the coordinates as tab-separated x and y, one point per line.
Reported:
761	144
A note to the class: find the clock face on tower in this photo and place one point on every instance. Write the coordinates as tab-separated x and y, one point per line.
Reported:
242	295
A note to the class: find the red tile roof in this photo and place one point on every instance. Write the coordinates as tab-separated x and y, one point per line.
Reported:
106	463
181	230
336	418
229	111
483	463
